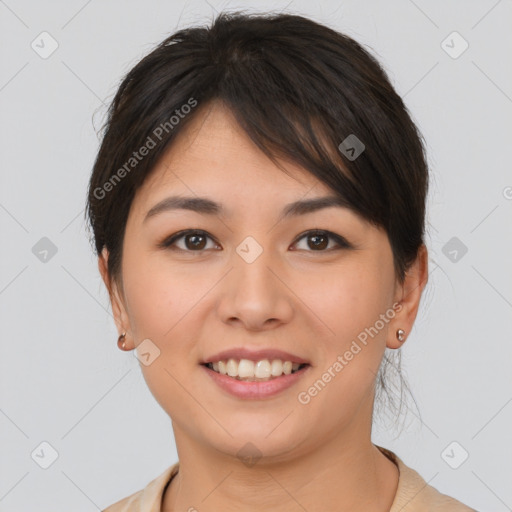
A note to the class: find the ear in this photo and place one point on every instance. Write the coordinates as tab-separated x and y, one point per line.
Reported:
407	298
116	298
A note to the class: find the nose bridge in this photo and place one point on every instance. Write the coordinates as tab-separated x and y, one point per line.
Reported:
254	293
252	263
250	250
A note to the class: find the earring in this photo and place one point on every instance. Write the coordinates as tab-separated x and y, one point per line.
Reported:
121	341
400	335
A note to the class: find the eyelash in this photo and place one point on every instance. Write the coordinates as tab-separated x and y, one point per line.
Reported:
168	242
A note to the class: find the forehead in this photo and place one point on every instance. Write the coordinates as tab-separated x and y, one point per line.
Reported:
214	156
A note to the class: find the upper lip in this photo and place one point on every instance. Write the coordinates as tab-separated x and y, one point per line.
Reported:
254	355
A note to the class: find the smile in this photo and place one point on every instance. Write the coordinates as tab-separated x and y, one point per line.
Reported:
253	371
245	382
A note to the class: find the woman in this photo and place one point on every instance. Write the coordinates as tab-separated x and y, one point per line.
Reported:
258	207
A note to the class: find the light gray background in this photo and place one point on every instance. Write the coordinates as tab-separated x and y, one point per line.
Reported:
63	380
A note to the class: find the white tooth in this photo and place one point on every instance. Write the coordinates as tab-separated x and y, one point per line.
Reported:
287	367
276	368
232	368
246	368
262	369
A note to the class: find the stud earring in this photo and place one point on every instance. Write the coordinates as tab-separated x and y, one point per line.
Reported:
400	335
121	341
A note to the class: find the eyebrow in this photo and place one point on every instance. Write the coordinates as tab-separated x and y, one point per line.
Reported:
206	206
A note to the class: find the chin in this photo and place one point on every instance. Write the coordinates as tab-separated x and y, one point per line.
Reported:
257	444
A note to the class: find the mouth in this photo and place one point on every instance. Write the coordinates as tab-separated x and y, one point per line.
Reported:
255	380
250	374
248	370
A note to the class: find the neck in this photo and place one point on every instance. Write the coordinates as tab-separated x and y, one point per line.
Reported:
345	473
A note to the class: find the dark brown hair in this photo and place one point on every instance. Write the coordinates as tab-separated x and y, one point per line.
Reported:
299	89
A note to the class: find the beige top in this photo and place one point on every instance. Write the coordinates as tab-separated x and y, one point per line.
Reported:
412	495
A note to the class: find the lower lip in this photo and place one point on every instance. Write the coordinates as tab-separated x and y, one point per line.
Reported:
255	390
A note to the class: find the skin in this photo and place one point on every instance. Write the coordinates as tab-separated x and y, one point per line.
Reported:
308	301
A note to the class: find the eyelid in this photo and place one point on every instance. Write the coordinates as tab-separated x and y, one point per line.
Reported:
168	242
342	242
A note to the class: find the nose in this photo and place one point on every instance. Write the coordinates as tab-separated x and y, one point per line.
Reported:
254	294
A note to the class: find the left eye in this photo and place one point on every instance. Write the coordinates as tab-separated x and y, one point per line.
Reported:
319	240
196	240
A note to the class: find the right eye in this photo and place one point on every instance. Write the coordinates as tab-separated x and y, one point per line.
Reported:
194	241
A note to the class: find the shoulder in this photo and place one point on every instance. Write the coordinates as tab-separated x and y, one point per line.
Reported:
148	499
415	495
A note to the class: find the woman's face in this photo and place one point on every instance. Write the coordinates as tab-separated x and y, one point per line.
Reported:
254	279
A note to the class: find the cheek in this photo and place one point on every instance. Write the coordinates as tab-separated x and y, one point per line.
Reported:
351	305
157	295
348	301
158	300
150	303
163	304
